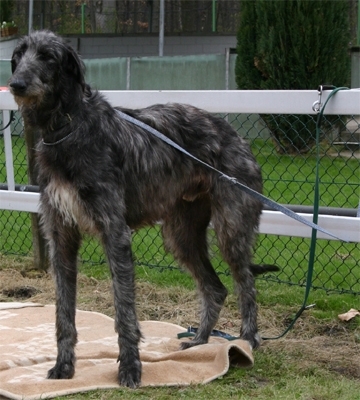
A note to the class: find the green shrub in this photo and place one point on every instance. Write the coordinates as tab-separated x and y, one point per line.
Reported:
292	44
6	7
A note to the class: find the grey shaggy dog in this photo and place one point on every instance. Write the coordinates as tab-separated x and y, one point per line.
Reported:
102	175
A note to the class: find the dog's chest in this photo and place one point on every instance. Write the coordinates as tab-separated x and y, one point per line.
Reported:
65	199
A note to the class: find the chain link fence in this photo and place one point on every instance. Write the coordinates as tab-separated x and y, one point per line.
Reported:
289	176
124	17
130	16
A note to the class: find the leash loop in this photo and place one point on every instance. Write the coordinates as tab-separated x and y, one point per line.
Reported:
11	119
317	105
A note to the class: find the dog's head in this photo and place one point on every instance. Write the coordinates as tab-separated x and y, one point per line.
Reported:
43	64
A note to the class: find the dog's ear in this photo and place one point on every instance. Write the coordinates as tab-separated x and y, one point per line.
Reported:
75	67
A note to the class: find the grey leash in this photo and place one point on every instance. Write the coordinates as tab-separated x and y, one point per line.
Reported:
270	203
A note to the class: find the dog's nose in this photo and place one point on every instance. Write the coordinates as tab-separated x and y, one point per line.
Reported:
18	85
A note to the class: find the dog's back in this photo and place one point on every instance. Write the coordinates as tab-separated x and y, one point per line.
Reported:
165	176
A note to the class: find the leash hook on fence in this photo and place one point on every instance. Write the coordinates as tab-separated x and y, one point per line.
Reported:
317	105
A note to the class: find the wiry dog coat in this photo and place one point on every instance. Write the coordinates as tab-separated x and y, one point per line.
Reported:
100	174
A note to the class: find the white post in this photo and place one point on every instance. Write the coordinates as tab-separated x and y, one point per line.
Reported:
10	179
161	27
227	68
128	73
31	13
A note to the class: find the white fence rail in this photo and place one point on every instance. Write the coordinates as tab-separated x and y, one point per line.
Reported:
237	101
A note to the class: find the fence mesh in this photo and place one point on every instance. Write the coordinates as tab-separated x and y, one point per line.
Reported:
130	16
288	174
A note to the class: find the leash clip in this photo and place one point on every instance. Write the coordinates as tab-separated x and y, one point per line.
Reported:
317	104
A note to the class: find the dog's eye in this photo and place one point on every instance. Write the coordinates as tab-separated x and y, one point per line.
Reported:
13	65
15	60
17	55
45	56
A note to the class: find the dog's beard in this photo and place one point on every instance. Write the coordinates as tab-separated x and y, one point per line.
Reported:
31	100
33	96
27	102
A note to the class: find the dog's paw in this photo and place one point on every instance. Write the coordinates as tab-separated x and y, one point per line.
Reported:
191	343
187	345
254	340
61	371
130	375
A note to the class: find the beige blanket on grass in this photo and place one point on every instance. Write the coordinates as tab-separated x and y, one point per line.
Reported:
28	350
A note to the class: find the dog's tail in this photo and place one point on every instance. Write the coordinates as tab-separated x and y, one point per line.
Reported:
257	269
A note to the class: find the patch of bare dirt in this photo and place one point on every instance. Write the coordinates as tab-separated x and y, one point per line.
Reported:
311	342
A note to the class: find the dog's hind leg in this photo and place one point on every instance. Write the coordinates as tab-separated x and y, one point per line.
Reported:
64	243
116	238
235	218
185	236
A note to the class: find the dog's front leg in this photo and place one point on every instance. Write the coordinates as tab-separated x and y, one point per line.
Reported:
64	243
117	244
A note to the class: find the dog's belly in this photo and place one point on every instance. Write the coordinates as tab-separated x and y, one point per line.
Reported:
138	217
161	207
64	198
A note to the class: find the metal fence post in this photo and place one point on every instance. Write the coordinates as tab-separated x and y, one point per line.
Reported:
41	258
161	27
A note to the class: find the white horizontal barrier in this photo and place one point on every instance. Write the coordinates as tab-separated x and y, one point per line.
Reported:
19	201
276	223
345	102
243	101
272	222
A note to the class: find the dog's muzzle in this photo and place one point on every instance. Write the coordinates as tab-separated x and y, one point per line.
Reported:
18	87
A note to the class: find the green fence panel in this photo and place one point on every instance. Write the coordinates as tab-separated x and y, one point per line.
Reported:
204	72
5	72
107	73
232	80
198	72
178	73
